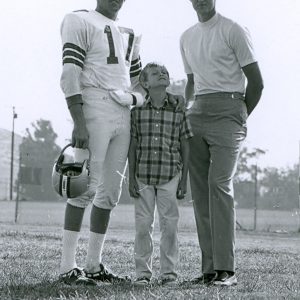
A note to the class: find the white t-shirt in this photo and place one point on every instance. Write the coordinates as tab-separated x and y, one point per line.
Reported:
97	53
215	51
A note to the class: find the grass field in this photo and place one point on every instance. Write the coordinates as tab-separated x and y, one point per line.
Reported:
268	261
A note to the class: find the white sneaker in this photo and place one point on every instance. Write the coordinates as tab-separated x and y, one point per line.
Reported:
224	279
168	282
142	281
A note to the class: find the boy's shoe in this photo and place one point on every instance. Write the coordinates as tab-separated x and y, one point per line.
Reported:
225	279
142	281
169	282
206	278
106	276
76	277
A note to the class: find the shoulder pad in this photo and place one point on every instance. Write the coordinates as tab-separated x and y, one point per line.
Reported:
126	29
81	10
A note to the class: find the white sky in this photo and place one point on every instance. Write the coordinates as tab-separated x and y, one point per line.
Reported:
31	61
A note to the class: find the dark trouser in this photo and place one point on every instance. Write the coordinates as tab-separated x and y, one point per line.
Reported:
219	126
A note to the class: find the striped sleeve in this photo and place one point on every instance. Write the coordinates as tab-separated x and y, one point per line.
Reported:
73	35
136	67
73	54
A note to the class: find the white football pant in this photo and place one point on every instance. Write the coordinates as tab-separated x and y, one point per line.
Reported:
108	124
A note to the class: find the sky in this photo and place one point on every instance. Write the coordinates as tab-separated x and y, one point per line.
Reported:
31	62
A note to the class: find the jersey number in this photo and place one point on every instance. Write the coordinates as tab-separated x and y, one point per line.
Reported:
112	58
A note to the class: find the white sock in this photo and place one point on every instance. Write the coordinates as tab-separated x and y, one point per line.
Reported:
70	241
96	241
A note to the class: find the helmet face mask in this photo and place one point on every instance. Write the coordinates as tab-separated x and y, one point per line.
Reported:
71	180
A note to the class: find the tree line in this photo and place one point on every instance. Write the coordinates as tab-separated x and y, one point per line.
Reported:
276	188
270	187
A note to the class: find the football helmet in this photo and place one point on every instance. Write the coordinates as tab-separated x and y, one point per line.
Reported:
70	180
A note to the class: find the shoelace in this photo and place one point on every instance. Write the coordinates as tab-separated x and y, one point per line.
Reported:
76	273
105	271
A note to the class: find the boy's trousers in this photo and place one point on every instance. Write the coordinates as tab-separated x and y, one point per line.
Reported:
219	126
164	196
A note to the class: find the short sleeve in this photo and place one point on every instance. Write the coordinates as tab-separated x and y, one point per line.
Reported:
136	64
241	43
74	41
187	68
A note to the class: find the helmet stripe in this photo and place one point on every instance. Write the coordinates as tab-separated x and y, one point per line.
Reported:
68	187
60	185
64	186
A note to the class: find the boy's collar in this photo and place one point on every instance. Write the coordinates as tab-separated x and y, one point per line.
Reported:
148	101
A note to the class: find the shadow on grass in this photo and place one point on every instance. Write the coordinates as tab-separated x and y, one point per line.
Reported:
58	290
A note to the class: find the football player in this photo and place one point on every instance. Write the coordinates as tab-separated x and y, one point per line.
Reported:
101	67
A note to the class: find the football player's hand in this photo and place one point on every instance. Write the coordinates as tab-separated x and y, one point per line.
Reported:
181	190
126	98
80	137
178	101
133	188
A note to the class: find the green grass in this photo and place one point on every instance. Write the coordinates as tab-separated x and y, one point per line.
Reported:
268	262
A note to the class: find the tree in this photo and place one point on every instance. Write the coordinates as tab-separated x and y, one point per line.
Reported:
247	164
275	189
38	152
280	188
177	87
246	178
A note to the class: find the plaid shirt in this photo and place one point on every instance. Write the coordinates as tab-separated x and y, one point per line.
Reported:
158	132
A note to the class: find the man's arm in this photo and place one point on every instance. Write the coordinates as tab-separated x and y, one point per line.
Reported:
80	135
180	101
136	94
133	186
184	151
189	88
74	40
254	86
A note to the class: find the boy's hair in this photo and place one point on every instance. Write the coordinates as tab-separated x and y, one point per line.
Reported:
144	73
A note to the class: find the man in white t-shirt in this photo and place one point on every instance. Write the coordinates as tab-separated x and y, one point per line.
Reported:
219	60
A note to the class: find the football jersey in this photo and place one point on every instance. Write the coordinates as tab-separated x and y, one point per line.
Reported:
98	53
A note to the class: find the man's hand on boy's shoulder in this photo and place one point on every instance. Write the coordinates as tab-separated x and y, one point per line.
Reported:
177	101
133	188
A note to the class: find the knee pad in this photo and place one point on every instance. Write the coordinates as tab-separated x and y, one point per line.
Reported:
83	201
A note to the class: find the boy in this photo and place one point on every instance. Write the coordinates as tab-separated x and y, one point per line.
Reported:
158	164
